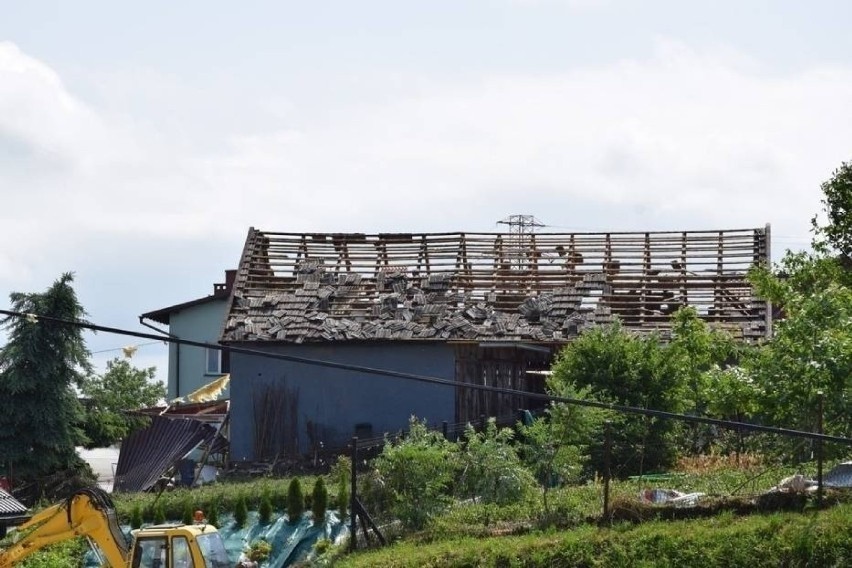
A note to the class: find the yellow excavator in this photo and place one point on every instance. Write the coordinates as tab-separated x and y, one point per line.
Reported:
90	513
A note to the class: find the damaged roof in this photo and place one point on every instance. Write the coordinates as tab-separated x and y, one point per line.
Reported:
540	287
148	453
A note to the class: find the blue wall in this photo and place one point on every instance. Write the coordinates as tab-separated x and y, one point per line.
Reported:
336	400
202	322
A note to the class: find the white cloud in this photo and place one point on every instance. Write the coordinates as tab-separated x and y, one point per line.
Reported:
683	139
707	141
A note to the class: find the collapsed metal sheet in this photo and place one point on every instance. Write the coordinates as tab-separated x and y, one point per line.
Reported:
12	512
147	454
10	507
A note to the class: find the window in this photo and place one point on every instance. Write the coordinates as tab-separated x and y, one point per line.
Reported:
181	558
213	551
214	361
150	553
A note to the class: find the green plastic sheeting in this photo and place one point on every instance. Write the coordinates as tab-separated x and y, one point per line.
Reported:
291	542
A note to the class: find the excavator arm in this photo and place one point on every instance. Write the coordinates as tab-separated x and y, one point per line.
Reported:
88	512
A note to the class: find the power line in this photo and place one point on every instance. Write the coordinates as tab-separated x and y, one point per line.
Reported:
444	382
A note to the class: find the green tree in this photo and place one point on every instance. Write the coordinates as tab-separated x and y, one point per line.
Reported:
836	234
811	348
122	387
611	364
39	367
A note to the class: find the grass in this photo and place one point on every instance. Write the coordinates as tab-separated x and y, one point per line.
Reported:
726	488
575	510
820	538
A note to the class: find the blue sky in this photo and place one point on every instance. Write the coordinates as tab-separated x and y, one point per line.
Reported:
138	143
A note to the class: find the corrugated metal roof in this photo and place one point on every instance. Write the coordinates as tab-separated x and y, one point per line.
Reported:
147	454
10	507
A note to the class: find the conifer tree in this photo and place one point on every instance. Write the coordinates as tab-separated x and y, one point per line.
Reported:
39	366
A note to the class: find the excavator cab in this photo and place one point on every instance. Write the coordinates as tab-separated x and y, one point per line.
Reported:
178	546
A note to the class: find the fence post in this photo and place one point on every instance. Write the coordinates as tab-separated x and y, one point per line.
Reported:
482	422
821	408
445	429
606	471
353	498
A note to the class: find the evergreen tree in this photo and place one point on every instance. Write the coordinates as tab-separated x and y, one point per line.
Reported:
295	501
265	508
319	503
39	368
240	512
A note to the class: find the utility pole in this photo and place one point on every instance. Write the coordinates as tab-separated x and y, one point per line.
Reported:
521	228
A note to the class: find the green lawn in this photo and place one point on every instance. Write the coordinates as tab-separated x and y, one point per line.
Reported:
821	538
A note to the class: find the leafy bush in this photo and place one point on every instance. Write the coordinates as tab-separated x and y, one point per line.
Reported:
68	553
259	550
295	500
417	471
319	503
555	446
322	545
490	469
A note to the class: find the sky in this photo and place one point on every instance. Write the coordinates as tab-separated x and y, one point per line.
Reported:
139	142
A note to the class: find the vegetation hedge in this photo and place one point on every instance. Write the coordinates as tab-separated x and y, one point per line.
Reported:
782	539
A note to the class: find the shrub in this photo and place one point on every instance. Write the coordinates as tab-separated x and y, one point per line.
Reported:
417	472
490	467
320	501
136	517
341	472
259	550
321	546
265	509
240	511
295	500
